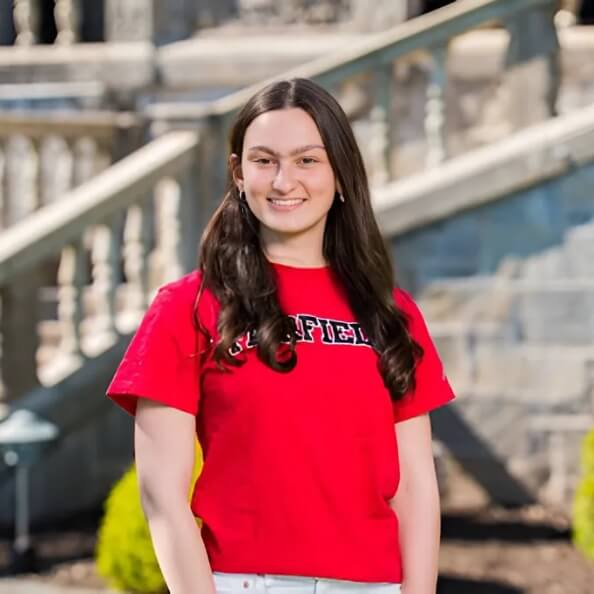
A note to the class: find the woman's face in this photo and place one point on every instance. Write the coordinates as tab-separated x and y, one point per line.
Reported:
285	173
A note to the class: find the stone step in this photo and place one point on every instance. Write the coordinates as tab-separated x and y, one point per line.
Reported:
486	358
554	311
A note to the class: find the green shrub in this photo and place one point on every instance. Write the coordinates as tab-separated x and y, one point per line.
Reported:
124	554
583	504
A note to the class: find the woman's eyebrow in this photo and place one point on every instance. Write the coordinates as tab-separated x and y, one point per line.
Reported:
296	151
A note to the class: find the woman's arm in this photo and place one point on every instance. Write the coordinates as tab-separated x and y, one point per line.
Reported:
164	440
417	505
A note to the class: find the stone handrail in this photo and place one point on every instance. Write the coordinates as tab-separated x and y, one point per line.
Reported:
44	155
365	79
102	252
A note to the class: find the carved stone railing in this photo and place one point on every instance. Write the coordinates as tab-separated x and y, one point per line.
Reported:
116	238
365	78
25	14
123	20
43	156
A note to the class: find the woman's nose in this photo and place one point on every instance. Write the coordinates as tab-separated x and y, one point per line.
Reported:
283	180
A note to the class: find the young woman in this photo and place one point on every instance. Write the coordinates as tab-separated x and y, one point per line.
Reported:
305	375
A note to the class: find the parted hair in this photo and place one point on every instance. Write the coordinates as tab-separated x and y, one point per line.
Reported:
235	269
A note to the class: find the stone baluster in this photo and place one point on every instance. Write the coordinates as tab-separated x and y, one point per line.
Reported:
105	258
165	260
383	123
71	281
66	15
85	156
18	329
26	21
137	241
435	124
21	171
56	169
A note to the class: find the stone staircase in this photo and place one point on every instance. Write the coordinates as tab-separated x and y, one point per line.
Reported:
136	224
519	349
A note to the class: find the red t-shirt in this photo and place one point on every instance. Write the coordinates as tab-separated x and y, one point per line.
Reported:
299	467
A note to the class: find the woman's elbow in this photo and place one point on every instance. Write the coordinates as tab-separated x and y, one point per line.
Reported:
157	499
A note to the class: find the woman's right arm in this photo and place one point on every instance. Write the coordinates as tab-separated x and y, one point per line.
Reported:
164	451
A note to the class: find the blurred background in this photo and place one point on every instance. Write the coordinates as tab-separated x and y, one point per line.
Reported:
476	122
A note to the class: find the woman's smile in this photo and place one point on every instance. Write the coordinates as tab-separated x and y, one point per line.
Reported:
285	204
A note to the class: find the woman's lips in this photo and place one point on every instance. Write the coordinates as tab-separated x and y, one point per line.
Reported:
285	204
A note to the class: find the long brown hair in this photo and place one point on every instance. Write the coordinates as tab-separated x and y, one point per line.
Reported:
237	272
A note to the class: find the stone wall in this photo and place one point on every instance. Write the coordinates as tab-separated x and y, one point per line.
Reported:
508	292
477	241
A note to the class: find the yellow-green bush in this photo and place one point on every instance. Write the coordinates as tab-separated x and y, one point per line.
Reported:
124	554
583	505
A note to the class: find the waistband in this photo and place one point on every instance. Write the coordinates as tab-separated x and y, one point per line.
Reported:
251	582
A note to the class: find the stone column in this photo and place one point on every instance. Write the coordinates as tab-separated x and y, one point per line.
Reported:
150	20
129	20
385	14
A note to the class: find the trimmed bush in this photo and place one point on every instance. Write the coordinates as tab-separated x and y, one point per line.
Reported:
583	505
124	554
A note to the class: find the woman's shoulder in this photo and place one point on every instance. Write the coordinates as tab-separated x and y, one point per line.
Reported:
404	300
183	299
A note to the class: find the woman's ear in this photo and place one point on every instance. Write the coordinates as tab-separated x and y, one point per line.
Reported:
235	167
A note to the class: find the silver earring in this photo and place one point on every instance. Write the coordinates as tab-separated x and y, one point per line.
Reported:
242	196
341	197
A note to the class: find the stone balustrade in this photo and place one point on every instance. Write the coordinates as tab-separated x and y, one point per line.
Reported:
114	239
43	156
365	77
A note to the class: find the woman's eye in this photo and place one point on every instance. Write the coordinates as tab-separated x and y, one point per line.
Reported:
262	161
308	160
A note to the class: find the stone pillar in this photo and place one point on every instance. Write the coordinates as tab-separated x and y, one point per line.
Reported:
385	14
150	20
129	20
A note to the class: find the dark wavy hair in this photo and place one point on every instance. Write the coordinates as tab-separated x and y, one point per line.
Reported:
235	269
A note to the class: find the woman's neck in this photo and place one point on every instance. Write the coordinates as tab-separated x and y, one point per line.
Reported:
301	250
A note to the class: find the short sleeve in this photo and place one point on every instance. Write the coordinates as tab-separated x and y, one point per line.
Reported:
162	361
432	388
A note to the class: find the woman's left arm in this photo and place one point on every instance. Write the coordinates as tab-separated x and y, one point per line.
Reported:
416	504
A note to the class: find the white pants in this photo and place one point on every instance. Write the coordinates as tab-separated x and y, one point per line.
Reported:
258	583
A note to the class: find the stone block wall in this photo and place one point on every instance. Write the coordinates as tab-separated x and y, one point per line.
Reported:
517	333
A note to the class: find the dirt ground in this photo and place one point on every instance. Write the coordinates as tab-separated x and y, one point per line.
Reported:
485	550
